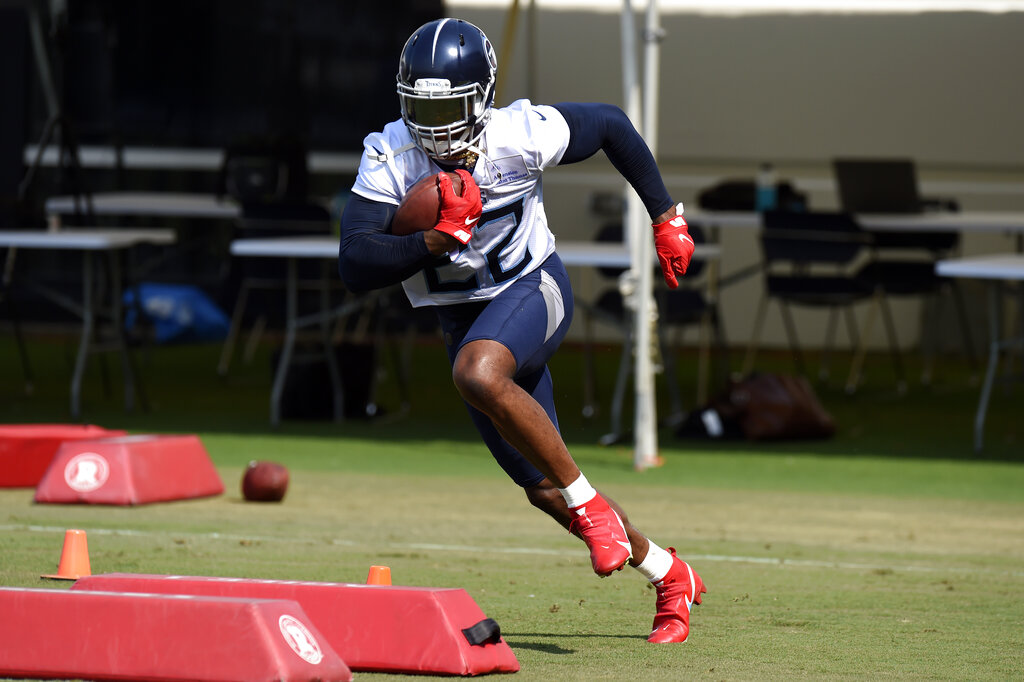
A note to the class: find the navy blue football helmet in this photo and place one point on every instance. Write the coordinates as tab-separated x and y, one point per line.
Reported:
446	86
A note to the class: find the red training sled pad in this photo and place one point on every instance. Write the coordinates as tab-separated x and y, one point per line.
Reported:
372	627
130	470
110	636
26	450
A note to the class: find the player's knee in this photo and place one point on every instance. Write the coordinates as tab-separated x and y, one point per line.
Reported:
474	386
477	379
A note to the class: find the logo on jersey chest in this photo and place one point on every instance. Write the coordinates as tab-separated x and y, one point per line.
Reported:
509	170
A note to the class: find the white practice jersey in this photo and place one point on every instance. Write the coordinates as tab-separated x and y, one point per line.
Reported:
512	237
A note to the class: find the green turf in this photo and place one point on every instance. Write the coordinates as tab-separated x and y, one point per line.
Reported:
888	551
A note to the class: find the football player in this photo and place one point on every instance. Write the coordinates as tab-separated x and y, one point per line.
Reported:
491	271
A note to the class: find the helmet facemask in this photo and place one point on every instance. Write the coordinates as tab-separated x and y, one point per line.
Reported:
446	121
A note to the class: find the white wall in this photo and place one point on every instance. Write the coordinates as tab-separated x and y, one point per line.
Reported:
946	89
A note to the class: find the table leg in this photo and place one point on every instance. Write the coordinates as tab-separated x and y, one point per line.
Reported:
994	325
12	311
87	332
289	342
325	331
117	320
857	364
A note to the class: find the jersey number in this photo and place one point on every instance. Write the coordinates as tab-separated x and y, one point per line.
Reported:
514	213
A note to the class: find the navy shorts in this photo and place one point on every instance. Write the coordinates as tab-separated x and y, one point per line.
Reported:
530	318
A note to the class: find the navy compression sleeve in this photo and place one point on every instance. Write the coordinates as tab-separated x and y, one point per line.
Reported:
593	127
368	256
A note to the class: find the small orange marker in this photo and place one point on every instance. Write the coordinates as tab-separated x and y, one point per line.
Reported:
74	558
379	575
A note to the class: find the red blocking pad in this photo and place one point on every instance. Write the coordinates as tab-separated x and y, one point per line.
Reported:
111	636
380	628
26	450
130	470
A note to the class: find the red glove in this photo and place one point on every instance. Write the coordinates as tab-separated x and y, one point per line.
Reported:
674	246
459	214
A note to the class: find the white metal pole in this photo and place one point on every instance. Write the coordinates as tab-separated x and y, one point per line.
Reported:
636	287
652	52
646	454
630	82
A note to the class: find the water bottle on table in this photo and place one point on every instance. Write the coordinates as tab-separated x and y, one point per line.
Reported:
765	194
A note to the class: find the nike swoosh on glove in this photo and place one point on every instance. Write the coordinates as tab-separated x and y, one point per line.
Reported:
674	246
459	214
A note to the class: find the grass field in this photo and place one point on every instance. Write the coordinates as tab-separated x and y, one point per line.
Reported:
888	551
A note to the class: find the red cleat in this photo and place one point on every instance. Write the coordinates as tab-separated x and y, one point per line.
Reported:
680	589
601	528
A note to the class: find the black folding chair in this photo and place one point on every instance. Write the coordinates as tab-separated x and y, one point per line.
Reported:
810	260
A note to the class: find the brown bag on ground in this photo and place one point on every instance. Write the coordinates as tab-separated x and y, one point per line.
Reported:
762	407
775	406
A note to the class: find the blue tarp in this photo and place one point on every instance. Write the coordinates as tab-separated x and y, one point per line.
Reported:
179	313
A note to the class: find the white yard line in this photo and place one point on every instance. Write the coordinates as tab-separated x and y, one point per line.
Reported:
474	549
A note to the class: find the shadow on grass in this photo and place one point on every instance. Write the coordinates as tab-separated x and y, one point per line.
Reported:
541	647
549	648
186	395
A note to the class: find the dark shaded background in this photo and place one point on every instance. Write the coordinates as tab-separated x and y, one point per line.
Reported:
194	74
199	73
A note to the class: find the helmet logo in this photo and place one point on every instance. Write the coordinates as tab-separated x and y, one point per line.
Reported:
491	58
433	85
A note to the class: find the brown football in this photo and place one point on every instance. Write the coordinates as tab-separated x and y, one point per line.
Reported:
264	481
420	209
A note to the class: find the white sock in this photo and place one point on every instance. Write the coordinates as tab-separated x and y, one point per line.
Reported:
578	492
656	564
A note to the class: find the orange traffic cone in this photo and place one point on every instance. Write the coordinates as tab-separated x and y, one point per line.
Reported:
379	575
74	558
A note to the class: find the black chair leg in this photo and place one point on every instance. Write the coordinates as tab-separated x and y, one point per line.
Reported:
589	370
894	348
851	327
723	357
668	353
619	398
860	349
965	328
830	340
755	336
794	344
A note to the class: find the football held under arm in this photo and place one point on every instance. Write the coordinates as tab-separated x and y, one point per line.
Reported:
594	127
